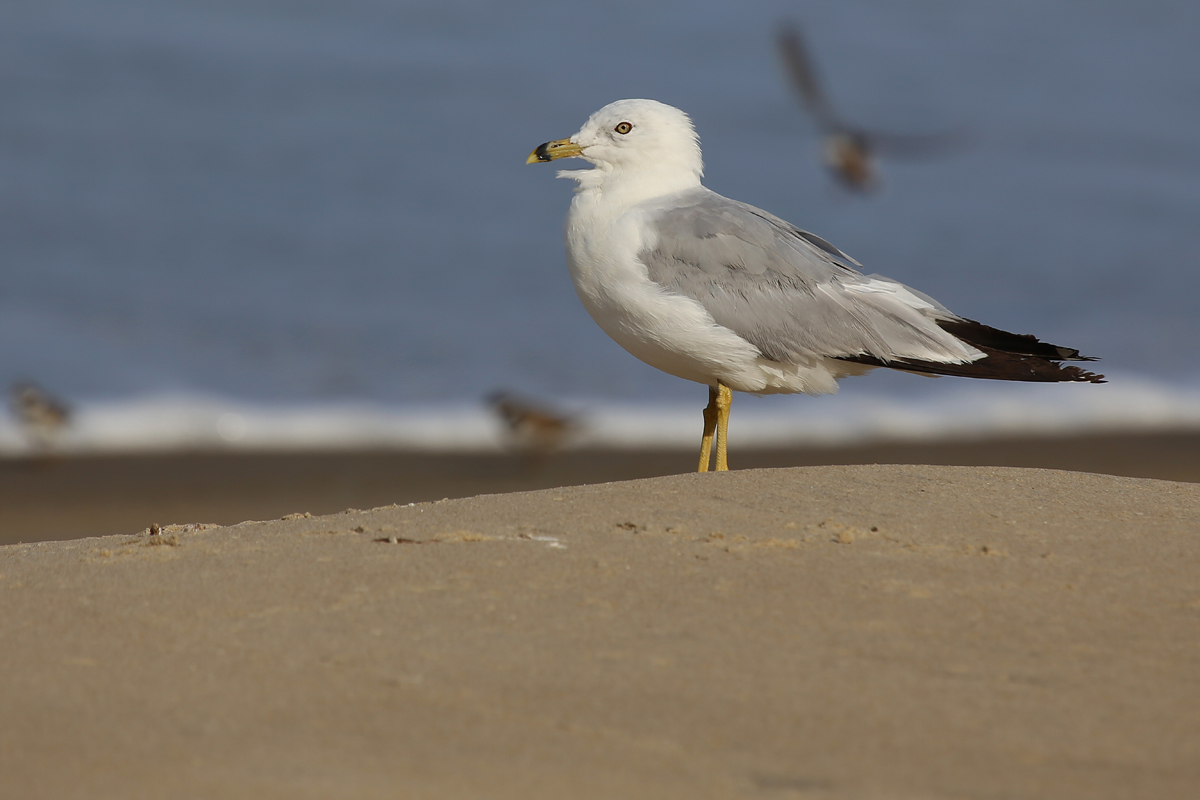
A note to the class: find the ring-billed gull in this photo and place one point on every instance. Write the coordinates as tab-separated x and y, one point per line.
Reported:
722	293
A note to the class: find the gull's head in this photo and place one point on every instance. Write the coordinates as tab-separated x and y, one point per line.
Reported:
635	136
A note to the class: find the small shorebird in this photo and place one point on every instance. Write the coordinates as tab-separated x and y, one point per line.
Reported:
850	153
42	418
534	428
725	294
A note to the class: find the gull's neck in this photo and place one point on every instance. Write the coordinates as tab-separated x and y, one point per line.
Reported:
627	187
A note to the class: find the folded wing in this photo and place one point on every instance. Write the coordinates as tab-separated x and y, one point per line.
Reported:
797	298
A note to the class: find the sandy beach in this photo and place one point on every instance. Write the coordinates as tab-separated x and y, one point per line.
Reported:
833	631
868	631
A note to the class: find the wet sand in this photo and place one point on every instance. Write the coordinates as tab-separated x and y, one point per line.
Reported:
70	497
814	632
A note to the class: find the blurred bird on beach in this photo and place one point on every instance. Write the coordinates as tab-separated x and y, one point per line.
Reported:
851	154
43	418
535	429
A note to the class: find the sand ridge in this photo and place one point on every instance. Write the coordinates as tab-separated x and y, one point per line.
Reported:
858	631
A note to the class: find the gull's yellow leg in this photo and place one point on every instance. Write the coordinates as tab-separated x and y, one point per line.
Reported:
710	425
724	400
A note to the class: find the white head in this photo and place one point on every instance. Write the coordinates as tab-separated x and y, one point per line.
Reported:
643	137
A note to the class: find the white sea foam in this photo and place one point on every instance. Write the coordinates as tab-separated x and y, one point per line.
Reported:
955	411
163	423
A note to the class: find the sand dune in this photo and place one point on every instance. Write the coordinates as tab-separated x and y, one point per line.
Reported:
823	632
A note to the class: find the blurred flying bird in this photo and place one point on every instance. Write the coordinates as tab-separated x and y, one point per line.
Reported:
850	153
42	417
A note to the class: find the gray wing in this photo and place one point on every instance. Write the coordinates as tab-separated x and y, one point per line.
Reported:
791	294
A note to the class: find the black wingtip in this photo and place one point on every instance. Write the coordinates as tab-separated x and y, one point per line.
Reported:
1082	375
996	365
1007	357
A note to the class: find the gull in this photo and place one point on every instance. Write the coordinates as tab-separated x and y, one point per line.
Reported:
719	292
850	153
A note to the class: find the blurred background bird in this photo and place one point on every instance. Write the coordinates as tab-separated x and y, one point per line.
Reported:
850	153
534	428
43	418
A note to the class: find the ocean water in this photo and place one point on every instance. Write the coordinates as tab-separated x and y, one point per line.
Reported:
265	223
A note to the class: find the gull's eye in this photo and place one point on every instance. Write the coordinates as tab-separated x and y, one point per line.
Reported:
623	128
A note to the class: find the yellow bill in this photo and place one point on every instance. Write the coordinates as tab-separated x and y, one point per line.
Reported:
551	151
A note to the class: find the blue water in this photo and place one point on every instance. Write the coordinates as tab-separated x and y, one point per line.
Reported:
322	207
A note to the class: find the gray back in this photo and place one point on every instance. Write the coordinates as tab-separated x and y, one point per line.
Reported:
782	289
